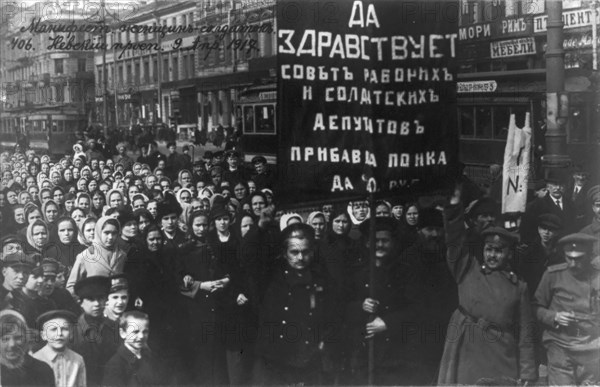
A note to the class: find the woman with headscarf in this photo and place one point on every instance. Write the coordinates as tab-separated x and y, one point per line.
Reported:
98	203
317	221
51	211
115	198
103	257
408	226
65	247
87	232
24	197
82	184
67	179
18	368
359	211
38	237
288	219
184	198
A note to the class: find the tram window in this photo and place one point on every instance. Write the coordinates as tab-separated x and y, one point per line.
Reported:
483	122
265	119
466	121
248	119
501	121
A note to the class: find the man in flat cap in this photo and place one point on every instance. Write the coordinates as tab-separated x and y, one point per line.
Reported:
553	203
533	259
567	304
94	338
492	301
263	177
10	243
118	297
15	273
593	229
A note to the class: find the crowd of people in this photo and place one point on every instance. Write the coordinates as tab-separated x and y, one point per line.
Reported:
168	270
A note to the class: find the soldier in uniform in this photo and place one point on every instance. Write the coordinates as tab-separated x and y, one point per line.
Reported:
593	228
15	272
568	305
295	323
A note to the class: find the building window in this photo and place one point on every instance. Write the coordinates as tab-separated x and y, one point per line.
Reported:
146	71
184	73
175	68
165	76
136	73
192	68
155	70
81	65
58	66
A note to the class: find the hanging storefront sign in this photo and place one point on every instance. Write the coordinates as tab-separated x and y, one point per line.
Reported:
513	47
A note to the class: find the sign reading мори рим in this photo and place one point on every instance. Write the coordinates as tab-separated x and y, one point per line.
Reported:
367	94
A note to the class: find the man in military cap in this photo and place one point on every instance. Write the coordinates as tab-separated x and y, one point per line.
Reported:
50	293
533	259
553	203
593	229
15	271
568	305
199	172
10	244
94	338
27	300
263	177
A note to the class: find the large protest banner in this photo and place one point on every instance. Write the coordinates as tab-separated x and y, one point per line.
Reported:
367	94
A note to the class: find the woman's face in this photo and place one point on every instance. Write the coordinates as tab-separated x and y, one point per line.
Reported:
13	345
92	185
152	207
76	173
143	223
200	226
55	178
33	216
318	223
11	197
33	191
169	222
84	203
20	215
137	168
98	201
66	232
245	225
186	179
412	216
81	185
154	240
340	224
240	191
121	186
88	231
132	191
25	197
58	197
51	212
360	210
258	204
222	223
45	168
115	200
186	197
130	229
68	175
78	216
29	182
86	173
108	235
40	236
150	181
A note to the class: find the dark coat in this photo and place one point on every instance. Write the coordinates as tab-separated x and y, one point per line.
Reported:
33	372
96	341
152	159
64	300
295	316
581	206
125	369
31	307
265	179
492	303
532	261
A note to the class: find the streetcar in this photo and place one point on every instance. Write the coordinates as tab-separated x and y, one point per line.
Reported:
256	122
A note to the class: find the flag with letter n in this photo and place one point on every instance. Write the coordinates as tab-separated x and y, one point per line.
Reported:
515	174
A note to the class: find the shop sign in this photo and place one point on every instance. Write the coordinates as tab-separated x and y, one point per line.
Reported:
580	41
513	47
571	19
476	87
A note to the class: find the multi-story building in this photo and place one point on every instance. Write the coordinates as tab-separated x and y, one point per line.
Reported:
47	87
191	73
502	46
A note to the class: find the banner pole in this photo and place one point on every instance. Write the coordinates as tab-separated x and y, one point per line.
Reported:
371	363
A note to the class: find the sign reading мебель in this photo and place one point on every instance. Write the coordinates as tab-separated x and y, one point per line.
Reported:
513	47
367	94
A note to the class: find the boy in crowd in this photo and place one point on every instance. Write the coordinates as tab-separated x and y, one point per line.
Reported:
95	338
134	363
68	366
118	298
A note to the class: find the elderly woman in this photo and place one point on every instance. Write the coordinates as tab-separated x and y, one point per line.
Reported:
18	368
38	236
490	336
317	221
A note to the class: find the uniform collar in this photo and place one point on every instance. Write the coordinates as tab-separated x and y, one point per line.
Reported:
508	273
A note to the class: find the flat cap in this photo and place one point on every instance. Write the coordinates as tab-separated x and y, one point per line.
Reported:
259	160
10	238
92	287
499	232
45	317
118	282
233	153
207	155
48	267
551	221
593	194
19	259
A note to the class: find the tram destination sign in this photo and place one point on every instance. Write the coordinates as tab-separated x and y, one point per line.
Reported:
367	94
